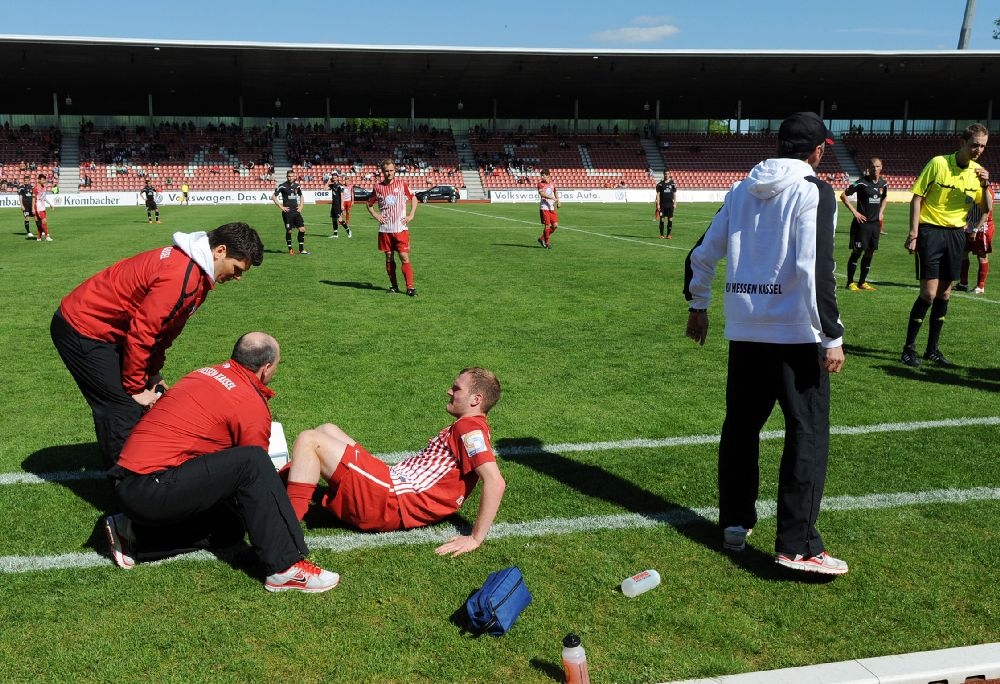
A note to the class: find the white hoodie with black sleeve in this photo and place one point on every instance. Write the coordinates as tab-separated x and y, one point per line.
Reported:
775	230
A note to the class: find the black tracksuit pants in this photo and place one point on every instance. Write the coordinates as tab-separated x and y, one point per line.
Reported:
97	368
208	501
792	375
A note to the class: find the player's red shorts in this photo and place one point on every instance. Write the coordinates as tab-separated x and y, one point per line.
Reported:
980	244
548	217
40	215
347	209
394	242
361	494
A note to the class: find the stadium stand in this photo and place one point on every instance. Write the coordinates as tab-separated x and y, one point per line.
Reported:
213	158
578	161
424	158
717	160
26	151
903	156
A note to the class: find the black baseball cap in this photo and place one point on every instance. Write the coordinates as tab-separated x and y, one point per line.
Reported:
803	131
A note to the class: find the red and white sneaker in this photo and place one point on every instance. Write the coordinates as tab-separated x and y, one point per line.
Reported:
118	529
303	576
822	563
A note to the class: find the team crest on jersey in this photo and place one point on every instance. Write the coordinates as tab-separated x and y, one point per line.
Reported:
475	442
390	201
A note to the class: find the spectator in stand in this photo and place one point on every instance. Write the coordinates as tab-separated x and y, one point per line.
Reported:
942	195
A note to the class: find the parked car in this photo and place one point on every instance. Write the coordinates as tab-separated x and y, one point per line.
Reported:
438	193
361	194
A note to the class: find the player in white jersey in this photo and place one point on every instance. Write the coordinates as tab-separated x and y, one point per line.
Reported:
391	195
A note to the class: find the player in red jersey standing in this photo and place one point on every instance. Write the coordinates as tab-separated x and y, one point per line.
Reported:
41	199
392	194
548	202
979	241
367	493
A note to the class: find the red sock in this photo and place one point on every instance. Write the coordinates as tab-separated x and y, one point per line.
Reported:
390	268
984	270
408	274
545	234
300	494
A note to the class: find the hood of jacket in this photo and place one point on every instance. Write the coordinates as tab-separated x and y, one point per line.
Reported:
196	246
772	177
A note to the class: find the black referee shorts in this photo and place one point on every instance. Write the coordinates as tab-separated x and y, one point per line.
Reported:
939	252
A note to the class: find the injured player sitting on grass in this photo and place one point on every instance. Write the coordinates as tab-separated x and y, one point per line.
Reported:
366	493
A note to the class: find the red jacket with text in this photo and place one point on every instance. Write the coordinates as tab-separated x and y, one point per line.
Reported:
208	410
141	304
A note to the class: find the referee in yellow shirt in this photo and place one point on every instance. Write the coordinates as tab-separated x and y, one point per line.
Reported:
942	195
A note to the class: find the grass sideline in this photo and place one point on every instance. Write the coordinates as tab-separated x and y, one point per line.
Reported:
588	341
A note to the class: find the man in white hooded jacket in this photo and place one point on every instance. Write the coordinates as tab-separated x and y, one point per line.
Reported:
775	231
113	330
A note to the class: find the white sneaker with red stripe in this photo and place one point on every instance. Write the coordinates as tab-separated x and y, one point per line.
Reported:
303	576
118	529
822	563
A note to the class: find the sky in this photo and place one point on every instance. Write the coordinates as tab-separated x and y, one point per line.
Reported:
584	24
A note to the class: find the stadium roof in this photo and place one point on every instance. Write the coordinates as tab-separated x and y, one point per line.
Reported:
199	78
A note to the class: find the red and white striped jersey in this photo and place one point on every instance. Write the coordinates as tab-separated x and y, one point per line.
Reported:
392	201
434	483
546	195
41	199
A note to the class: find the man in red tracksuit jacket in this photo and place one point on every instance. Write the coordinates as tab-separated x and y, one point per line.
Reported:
195	473
113	330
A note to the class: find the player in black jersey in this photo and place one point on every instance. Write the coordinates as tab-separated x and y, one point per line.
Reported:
871	190
666	202
148	193
27	194
337	208
291	199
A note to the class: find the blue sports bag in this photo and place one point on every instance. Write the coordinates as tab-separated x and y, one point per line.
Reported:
494	608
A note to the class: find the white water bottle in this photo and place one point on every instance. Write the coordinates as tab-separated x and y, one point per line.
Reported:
574	661
643	581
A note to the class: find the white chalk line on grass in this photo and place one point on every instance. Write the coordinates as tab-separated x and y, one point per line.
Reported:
679	517
571	447
562	226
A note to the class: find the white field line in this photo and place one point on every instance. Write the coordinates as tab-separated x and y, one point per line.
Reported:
530	449
563	226
680	517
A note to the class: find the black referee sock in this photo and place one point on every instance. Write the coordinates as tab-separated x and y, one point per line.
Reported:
661	227
938	312
27	227
917	314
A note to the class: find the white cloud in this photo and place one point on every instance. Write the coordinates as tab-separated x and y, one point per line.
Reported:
637	34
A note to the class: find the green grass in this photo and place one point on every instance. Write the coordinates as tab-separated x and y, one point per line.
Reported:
588	342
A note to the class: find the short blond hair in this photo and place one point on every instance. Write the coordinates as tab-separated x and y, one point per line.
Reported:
485	384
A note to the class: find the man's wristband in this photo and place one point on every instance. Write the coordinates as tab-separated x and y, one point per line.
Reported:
690	310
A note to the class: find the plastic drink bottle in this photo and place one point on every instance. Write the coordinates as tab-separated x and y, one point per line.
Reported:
574	661
637	584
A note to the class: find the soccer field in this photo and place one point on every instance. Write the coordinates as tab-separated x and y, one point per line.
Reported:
607	433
